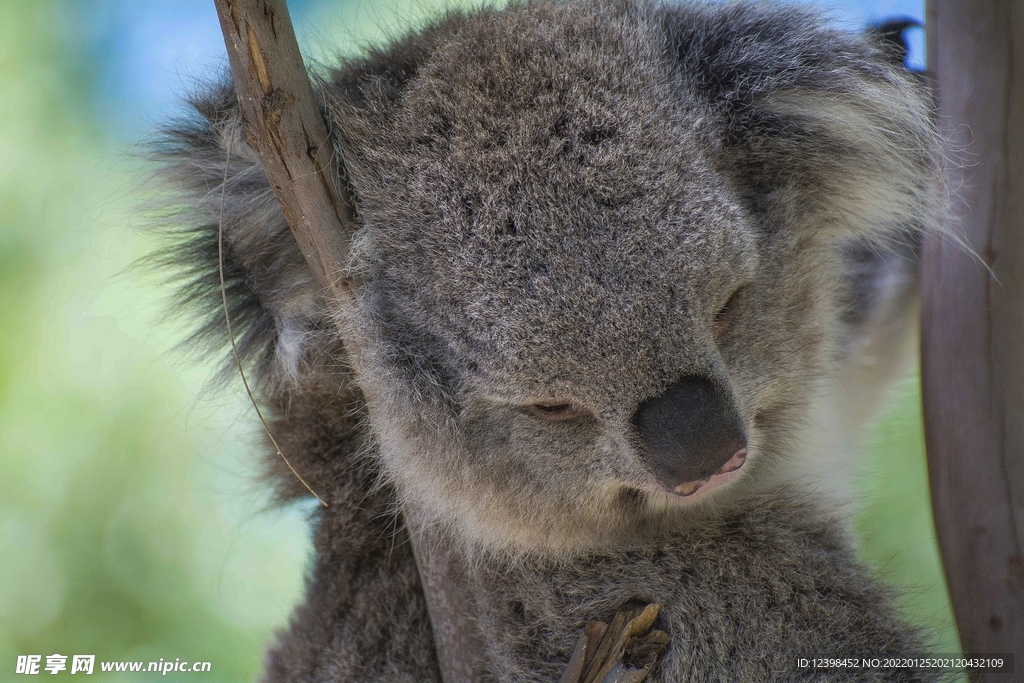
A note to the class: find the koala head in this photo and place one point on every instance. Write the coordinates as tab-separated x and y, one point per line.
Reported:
598	254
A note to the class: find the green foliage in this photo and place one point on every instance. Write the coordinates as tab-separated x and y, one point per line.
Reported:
894	525
126	529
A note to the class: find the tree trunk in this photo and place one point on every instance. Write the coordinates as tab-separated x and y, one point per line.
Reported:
973	322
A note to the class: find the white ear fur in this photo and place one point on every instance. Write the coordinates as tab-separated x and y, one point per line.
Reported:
262	243
874	161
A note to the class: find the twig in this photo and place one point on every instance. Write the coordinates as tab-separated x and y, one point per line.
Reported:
227	322
284	126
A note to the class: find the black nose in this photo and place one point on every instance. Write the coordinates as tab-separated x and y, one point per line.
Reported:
690	432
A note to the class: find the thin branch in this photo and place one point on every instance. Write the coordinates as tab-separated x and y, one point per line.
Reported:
283	124
227	322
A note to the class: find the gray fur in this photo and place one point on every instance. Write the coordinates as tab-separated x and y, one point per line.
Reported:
554	201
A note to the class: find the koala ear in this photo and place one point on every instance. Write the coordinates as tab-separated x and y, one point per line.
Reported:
824	132
212	178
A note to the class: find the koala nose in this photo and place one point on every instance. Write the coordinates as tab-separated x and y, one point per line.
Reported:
689	434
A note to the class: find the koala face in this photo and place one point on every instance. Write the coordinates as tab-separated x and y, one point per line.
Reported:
605	255
573	325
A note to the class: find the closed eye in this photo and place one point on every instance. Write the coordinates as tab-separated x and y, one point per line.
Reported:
725	315
556	412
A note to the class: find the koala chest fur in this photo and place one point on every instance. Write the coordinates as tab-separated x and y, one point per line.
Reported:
612	263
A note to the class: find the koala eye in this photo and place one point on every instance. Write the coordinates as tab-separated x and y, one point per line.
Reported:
556	412
725	315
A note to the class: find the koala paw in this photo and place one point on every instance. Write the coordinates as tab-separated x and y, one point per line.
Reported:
624	651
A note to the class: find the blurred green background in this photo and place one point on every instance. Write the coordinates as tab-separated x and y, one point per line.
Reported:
131	525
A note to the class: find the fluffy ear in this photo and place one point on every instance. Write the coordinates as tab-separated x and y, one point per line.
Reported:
212	178
824	131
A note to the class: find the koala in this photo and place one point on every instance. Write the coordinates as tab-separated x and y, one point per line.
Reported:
628	278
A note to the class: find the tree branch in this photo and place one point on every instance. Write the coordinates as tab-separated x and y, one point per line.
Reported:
284	125
286	129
